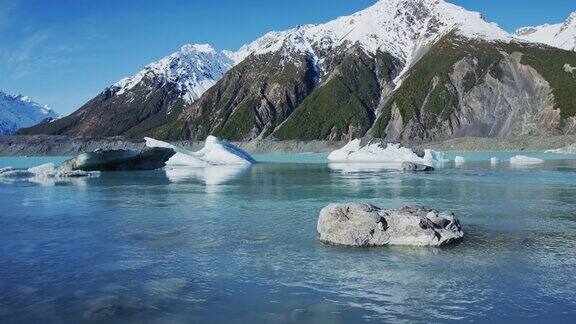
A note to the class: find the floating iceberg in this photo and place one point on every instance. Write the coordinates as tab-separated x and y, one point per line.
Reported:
355	151
182	157
215	152
521	159
363	151
219	152
494	160
433	158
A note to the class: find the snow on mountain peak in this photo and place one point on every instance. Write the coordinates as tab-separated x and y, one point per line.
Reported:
193	69
561	35
403	28
400	27
200	48
17	111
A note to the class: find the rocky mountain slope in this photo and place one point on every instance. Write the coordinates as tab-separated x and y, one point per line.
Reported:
464	87
151	98
18	111
411	70
562	35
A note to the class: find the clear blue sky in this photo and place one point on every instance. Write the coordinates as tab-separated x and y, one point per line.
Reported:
64	52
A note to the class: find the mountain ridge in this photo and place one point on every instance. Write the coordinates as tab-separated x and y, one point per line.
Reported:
561	35
260	90
18	111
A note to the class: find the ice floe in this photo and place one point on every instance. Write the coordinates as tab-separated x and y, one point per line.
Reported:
368	151
521	159
45	174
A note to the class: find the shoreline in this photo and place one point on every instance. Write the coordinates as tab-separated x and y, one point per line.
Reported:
46	145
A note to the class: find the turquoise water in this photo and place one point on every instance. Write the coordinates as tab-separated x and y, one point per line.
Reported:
239	245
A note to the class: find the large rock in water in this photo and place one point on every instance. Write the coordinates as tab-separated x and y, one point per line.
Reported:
120	160
367	225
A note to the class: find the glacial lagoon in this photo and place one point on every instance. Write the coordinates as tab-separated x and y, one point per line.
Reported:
239	245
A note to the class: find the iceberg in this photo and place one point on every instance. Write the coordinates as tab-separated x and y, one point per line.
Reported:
215	152
494	160
219	152
368	151
355	151
521	159
182	157
432	158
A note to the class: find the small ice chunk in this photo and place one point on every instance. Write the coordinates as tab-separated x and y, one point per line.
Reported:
433	158
521	159
459	160
48	170
494	160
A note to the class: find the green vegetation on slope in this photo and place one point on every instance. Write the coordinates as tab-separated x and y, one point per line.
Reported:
549	62
239	123
428	85
328	110
345	102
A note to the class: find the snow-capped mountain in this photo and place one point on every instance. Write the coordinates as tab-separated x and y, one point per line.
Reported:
149	98
400	69
562	35
17	111
193	69
403	28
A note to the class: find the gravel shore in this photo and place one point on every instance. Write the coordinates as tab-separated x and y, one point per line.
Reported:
41	145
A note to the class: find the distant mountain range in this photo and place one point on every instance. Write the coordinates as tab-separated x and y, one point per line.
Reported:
18	111
562	35
406	70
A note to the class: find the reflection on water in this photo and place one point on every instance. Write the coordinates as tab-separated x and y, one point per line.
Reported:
210	175
364	167
239	245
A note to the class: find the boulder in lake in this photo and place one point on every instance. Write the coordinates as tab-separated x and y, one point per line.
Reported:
363	225
149	158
